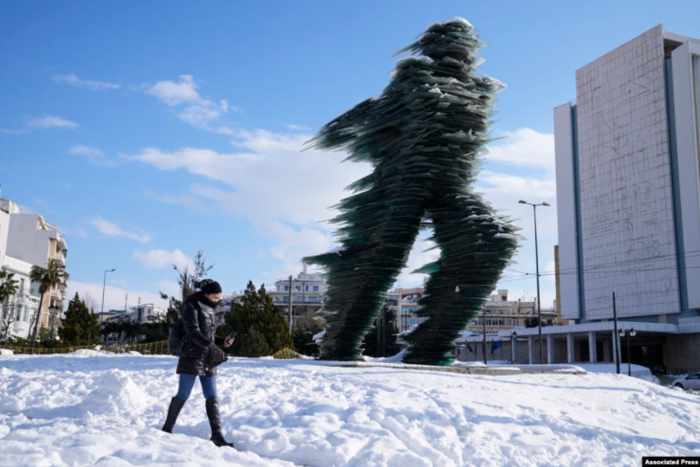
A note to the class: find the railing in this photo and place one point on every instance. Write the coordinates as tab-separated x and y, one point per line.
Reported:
149	348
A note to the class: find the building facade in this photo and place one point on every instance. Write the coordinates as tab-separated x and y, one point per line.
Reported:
27	240
307	293
499	313
628	197
404	304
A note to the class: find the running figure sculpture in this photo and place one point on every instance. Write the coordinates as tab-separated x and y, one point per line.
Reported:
423	136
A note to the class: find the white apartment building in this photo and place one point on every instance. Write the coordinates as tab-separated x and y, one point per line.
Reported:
27	240
307	292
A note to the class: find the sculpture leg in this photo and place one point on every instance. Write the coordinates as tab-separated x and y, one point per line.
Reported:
475	248
362	273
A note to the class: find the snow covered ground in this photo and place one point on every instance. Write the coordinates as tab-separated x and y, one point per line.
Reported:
106	410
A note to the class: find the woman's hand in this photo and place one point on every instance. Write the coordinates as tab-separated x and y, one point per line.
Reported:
228	341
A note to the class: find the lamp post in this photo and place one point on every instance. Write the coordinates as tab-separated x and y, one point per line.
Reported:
104	285
616	342
537	273
626	334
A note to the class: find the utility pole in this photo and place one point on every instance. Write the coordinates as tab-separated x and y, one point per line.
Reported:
537	272
104	286
483	322
616	342
629	357
291	280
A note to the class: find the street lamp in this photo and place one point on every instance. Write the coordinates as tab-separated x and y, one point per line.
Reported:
537	273
104	285
626	334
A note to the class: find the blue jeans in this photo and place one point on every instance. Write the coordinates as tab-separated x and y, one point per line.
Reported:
187	381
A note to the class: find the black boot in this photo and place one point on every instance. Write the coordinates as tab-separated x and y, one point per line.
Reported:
215	423
173	411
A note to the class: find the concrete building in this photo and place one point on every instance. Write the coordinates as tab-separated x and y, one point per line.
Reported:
26	240
404	304
628	196
499	317
501	314
34	241
307	290
142	313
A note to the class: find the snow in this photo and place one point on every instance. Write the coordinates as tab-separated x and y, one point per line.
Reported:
6	352
106	410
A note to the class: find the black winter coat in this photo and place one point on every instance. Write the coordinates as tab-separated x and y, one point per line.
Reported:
198	345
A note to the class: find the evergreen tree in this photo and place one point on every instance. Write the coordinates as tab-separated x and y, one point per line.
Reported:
305	328
79	326
260	328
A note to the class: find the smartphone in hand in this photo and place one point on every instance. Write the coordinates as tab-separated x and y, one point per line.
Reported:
229	340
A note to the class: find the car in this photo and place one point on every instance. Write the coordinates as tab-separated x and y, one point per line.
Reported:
689	381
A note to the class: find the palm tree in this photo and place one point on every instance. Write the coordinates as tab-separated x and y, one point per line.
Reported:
52	276
8	287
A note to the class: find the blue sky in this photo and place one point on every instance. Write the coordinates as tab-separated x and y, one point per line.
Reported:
149	130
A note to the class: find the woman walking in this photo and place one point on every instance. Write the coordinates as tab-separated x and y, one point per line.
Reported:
199	357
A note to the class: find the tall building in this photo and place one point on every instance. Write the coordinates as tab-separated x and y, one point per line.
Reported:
628	196
27	240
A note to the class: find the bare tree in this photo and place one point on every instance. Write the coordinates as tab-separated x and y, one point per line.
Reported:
187	279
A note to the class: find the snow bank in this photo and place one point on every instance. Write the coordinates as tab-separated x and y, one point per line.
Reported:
6	352
89	353
107	411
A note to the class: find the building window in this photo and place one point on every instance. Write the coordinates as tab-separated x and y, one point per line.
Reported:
315	288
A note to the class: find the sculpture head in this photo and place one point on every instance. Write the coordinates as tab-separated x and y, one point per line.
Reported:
455	39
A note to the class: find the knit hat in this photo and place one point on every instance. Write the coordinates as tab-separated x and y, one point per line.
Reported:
209	286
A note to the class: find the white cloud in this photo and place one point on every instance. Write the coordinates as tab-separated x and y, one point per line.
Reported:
271	178
164	259
115	296
194	109
113	230
295	127
200	115
504	191
524	147
51	121
72	79
294	242
92	154
284	191
176	92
